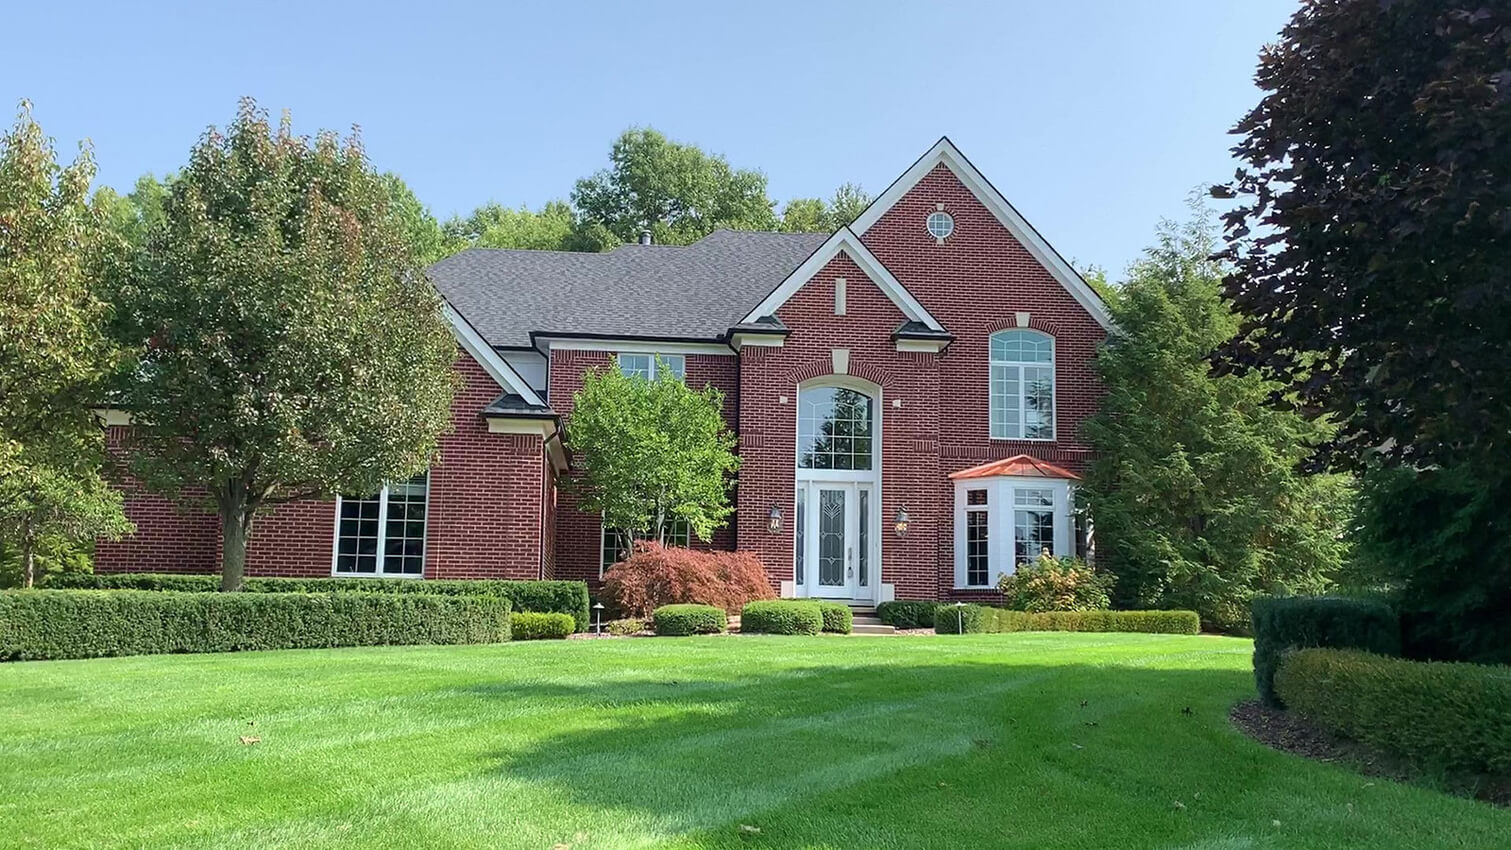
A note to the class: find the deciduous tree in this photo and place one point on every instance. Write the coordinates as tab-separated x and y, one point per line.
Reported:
676	191
652	452
290	344
54	352
1372	235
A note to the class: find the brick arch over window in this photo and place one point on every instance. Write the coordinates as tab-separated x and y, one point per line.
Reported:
823	367
1035	323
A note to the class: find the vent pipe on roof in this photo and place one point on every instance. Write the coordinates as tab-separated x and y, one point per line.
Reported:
645	237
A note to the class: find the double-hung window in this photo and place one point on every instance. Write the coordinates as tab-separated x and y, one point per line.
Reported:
1022	402
383	534
652	366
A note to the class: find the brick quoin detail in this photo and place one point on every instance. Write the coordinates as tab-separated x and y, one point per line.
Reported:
484	518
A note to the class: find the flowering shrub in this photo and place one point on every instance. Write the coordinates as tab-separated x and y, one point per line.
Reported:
1056	584
656	575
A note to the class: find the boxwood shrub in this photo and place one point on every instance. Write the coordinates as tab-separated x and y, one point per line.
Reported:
907	613
566	597
1434	714
1285	623
838	618
782	617
689	619
541	625
981	618
44	624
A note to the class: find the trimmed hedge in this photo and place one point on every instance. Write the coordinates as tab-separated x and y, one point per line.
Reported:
983	619
541	625
1285	623
566	597
907	613
782	617
838	618
45	624
1433	714
689	618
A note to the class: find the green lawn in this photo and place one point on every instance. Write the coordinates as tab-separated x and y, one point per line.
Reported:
828	742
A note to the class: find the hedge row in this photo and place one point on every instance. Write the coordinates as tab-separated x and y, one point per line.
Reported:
541	625
782	617
952	619
45	624
565	597
689	619
1433	714
907	613
1282	624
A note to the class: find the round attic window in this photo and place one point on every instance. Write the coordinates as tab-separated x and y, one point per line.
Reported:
941	225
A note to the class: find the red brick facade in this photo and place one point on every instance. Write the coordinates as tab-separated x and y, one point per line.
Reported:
496	504
486	511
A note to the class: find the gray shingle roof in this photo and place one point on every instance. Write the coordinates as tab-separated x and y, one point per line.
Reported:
693	292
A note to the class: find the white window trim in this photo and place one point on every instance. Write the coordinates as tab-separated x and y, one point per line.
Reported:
382	540
808	481
1020	365
655	356
1001	505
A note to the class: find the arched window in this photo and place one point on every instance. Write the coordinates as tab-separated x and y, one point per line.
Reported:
1022	386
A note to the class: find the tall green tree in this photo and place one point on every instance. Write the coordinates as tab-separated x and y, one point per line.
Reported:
1372	230
290	344
554	227
677	191
815	215
54	352
1195	493
133	215
421	228
652	452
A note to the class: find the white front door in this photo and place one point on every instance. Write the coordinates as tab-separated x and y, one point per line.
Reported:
837	541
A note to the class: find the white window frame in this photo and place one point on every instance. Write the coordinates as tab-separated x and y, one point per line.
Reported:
1019	366
382	539
654	366
1002	508
928	224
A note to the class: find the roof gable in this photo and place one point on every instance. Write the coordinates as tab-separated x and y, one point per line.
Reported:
945	153
847	242
492	362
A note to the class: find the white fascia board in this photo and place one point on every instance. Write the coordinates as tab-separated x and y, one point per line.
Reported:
945	153
757	340
634	346
929	345
492	362
844	240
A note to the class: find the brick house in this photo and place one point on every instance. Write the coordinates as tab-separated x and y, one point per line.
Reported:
907	392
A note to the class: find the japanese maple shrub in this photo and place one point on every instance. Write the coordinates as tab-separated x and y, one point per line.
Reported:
657	575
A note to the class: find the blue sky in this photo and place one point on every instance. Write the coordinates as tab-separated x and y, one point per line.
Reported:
1095	118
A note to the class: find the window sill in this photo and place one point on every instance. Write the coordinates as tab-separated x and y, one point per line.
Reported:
1022	439
400	576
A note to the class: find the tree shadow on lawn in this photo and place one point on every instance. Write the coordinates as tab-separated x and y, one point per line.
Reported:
971	752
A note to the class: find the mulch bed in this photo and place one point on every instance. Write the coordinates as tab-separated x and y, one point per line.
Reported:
1282	730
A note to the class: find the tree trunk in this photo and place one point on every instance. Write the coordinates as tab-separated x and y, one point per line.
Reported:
28	554
235	528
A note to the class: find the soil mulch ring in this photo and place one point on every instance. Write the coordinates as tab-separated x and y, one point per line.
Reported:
1291	733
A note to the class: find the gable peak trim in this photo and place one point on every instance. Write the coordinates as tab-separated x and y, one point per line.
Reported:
487	357
945	153
844	241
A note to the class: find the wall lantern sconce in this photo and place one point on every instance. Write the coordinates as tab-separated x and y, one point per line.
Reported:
902	521
774	520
